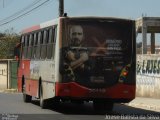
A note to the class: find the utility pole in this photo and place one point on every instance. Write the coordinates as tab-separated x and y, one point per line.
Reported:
61	8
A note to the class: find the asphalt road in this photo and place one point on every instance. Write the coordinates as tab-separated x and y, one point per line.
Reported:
13	107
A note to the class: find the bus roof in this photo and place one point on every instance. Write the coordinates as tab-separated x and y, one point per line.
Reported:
98	17
40	26
55	21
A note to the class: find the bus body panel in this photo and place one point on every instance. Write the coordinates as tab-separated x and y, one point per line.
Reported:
31	87
111	48
38	69
73	90
23	72
33	71
57	51
48	90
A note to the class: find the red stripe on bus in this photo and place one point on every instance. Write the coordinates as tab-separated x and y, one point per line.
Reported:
75	90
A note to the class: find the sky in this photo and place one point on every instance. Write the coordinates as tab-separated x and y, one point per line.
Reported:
132	9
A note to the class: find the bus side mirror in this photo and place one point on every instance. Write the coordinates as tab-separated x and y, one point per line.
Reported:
17	52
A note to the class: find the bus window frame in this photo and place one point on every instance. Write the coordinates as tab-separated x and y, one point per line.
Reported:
54	40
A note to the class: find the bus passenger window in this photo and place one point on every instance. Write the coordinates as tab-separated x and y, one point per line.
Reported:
30	47
38	48
43	44
50	44
35	46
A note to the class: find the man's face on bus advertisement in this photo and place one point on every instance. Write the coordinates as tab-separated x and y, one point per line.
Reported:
76	35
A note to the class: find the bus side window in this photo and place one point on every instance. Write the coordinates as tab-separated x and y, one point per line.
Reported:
35	46
41	44
30	47
44	44
38	48
51	45
26	46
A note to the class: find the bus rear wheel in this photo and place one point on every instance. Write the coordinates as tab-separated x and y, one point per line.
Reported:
102	106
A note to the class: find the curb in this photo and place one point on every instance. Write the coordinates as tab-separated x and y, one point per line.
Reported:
9	91
145	106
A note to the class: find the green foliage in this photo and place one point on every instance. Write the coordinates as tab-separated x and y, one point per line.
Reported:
7	45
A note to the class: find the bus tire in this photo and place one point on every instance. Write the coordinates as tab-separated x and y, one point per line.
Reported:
78	102
26	98
43	103
102	106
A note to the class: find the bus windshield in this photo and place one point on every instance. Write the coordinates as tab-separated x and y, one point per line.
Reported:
96	47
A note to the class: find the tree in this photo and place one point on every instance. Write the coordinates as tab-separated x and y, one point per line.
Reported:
8	41
2	35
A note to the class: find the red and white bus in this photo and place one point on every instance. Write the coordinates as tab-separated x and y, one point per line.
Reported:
79	59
